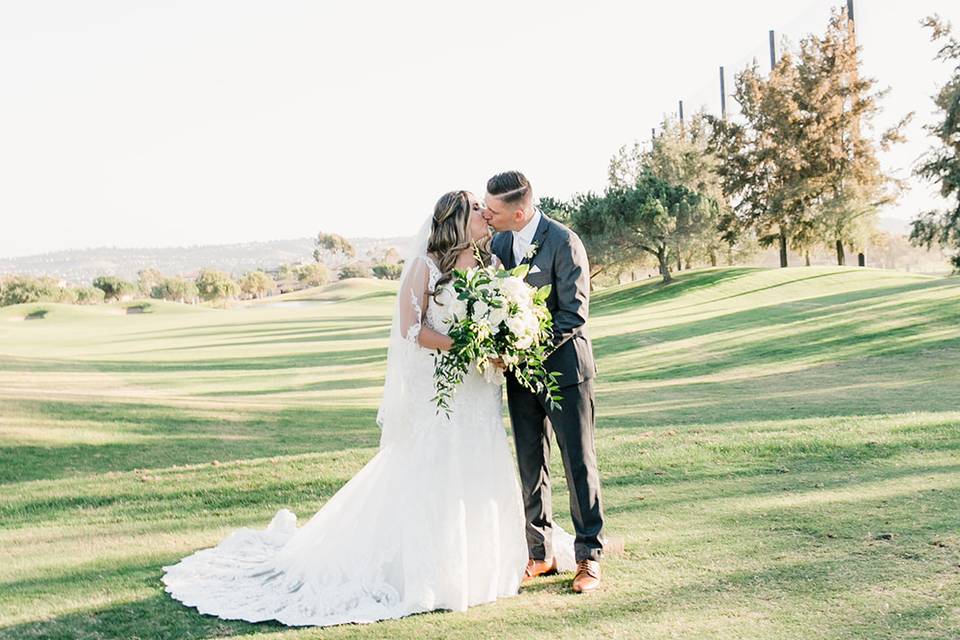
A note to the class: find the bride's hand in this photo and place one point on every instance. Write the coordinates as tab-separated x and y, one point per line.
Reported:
498	363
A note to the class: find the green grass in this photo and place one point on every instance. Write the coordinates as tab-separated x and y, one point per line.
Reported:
780	451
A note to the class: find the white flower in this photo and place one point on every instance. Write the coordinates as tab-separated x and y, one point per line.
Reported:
444	296
525	341
515	290
516	325
498	314
532	251
458	308
480	309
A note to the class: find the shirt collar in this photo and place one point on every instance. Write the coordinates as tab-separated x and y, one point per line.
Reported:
526	234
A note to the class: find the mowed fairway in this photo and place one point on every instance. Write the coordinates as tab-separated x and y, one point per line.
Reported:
780	451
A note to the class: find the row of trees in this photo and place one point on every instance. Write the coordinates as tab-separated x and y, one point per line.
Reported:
209	285
333	257
798	169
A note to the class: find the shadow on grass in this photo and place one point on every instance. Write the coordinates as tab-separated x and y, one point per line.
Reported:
256	363
158	616
653	292
183	438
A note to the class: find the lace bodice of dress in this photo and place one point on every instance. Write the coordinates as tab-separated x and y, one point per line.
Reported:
435	313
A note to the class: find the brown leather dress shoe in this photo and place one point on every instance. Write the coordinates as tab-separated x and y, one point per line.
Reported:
588	576
538	568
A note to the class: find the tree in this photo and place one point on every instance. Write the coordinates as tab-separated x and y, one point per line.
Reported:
843	167
941	165
556	209
313	275
216	285
652	217
257	284
22	289
175	290
147	279
113	288
681	155
387	271
763	167
336	249
604	242
354	270
89	295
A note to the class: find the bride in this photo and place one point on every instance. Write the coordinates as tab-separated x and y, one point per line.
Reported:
435	519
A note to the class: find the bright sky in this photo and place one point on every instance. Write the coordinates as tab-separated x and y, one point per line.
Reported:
130	123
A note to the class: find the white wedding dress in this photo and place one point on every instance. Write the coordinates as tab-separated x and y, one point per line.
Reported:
434	520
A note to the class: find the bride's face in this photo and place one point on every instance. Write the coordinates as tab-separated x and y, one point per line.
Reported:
477	224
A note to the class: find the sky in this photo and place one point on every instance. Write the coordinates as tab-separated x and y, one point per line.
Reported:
148	124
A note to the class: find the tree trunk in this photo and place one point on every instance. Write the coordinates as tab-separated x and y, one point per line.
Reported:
806	257
841	258
713	258
783	248
664	267
679	263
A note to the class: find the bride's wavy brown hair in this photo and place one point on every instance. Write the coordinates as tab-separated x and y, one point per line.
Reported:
450	234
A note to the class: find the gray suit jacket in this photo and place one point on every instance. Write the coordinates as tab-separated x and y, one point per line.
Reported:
562	262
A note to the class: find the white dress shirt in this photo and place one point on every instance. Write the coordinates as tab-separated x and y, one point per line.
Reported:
524	238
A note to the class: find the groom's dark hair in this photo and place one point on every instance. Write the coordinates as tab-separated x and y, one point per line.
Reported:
509	186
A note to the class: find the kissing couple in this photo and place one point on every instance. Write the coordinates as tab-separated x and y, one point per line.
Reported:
437	518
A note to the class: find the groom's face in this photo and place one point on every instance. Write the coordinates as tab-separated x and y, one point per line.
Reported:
502	216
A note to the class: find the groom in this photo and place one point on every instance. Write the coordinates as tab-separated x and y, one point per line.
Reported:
556	257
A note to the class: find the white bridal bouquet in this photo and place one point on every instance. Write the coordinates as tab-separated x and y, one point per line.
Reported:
493	313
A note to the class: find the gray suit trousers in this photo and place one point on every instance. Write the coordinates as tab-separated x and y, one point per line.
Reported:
574	428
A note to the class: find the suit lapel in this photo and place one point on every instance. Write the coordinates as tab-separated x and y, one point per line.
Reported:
537	236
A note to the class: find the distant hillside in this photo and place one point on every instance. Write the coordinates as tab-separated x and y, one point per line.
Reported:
82	266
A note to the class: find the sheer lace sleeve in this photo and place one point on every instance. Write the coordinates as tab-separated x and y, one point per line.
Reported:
412	299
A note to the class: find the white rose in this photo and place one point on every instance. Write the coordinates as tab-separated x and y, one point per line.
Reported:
480	309
515	289
516	325
498	315
458	308
525	341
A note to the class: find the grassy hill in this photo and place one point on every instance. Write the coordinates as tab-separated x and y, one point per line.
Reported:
780	451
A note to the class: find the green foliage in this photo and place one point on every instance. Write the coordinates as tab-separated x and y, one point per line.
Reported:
89	295
942	163
355	270
21	289
175	290
147	280
387	271
556	209
216	285
654	216
113	287
314	274
257	284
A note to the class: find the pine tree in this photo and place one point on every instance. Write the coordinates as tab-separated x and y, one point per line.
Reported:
942	163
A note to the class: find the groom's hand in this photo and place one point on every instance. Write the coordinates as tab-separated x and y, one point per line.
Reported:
498	363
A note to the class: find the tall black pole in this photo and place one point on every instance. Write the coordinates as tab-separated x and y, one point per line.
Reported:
653	134
723	96
681	111
850	10
773	50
